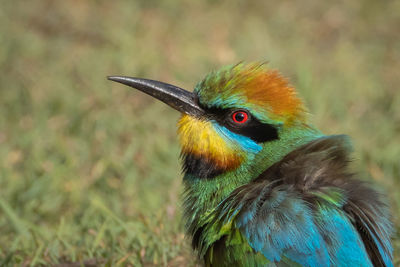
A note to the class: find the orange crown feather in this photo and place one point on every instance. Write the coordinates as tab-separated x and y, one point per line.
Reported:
263	91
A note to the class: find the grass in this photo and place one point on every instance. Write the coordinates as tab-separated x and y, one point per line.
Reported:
89	169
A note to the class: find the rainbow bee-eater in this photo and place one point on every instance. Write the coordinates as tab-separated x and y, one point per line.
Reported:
263	186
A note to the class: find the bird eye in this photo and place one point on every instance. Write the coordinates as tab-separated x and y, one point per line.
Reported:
240	117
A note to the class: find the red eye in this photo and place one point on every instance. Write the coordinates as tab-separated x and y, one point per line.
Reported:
240	117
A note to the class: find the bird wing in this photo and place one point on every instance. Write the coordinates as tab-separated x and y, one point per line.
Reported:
308	209
276	223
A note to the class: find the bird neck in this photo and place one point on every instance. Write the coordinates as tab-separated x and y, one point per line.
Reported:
202	195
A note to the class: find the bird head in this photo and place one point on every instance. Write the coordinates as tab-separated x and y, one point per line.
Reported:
234	117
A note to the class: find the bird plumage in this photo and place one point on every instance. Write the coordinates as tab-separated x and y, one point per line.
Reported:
263	187
306	209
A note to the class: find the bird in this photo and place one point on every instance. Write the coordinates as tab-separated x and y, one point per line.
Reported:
262	185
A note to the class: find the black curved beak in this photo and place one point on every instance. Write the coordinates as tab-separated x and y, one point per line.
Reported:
175	97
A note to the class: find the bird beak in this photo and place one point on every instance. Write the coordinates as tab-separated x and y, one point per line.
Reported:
177	98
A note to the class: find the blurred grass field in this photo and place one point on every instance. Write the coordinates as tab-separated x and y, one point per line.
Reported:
89	169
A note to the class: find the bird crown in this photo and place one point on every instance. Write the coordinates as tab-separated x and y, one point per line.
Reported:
265	92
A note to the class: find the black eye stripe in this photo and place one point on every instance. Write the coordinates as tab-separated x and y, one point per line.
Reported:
252	127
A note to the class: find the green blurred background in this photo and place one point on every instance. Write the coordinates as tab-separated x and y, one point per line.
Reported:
89	169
